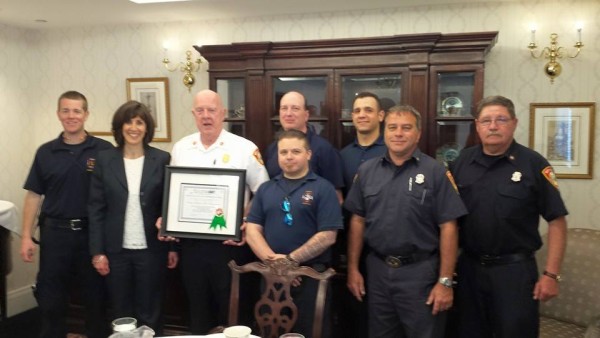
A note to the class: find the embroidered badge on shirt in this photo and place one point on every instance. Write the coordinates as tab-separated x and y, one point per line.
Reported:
516	176
548	173
225	158
420	179
451	179
258	158
91	163
307	197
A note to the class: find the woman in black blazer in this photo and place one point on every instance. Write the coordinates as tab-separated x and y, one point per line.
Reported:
125	201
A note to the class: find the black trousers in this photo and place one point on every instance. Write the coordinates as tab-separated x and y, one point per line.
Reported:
397	299
496	301
64	262
207	281
136	284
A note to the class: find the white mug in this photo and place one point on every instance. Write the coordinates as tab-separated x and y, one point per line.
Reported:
238	331
125	324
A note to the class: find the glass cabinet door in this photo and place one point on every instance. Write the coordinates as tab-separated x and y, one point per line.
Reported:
388	87
314	89
232	93
455	94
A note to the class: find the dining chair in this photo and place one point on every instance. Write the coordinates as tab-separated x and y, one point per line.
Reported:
275	311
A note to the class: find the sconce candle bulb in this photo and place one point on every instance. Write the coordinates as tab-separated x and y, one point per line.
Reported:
188	68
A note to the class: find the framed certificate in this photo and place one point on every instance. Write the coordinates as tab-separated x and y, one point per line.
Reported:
203	203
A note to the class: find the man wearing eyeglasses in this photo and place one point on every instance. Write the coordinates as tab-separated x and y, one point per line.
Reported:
296	216
404	207
325	160
506	187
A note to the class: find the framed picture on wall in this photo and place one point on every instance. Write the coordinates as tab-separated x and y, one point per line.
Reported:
564	134
154	93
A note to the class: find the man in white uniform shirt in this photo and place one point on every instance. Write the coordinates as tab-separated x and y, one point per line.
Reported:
205	273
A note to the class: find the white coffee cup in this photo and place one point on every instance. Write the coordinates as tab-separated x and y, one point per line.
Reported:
238	331
125	324
291	335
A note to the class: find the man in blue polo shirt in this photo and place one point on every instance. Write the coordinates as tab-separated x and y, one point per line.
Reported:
296	216
325	160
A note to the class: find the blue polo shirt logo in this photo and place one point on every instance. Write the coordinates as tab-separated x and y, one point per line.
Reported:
308	197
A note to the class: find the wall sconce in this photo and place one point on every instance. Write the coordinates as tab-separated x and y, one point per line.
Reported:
188	68
553	53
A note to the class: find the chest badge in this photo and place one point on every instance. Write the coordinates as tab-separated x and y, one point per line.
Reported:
420	179
226	158
516	176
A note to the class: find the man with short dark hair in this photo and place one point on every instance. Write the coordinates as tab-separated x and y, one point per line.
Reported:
61	173
296	216
404	207
506	188
367	116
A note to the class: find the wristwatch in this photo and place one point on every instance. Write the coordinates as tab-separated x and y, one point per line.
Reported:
554	276
446	281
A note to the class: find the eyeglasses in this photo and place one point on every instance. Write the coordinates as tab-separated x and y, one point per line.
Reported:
501	121
287	208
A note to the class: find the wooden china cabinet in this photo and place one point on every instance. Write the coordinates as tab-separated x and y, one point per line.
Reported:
439	74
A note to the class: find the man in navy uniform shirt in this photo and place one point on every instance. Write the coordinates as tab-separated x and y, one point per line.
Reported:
61	173
404	207
325	160
506	187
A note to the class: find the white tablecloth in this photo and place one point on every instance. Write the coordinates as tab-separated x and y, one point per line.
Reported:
9	217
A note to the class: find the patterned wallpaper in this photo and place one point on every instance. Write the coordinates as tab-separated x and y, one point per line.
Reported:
36	66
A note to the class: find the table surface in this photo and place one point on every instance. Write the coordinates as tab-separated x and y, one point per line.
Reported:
214	335
9	217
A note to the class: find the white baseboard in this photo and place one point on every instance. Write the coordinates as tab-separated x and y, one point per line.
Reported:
20	300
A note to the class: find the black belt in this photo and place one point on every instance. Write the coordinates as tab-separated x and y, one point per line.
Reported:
71	224
489	260
398	261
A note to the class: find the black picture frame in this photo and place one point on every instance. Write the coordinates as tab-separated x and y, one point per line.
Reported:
192	199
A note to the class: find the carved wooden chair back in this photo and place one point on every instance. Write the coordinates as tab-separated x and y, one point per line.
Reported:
275	312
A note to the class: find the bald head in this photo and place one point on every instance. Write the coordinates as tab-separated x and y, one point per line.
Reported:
292	112
209	114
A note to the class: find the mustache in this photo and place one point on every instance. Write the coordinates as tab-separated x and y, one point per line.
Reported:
493	134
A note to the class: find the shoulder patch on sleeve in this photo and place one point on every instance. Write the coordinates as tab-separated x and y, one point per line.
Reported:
548	173
451	179
257	156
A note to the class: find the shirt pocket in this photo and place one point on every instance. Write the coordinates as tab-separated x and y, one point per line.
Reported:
513	201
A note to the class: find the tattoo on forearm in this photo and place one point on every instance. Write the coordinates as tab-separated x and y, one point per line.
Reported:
315	246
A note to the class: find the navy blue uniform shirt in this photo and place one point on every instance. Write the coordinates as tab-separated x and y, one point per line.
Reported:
404	206
353	155
505	196
62	173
